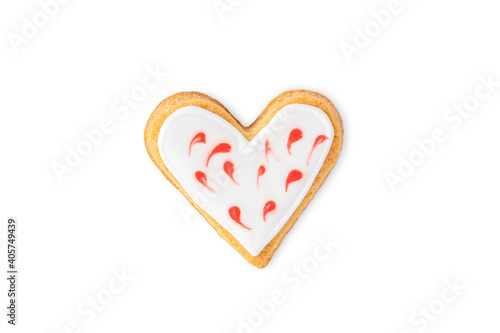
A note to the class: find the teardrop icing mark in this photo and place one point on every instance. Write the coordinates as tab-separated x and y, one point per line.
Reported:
198	138
260	172
202	178
220	148
229	170
268	207
268	149
319	140
295	135
293	176
234	213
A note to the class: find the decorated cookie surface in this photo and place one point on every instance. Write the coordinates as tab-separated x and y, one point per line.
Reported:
250	183
250	187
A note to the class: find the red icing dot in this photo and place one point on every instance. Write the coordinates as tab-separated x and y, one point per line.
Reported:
198	138
261	171
293	176
319	140
295	135
220	148
202	178
234	213
268	207
229	170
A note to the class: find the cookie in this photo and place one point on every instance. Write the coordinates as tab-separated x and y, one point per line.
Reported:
250	183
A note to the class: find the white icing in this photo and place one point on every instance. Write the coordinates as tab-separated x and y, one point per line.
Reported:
181	127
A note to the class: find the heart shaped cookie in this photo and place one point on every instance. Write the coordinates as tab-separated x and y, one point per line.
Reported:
250	183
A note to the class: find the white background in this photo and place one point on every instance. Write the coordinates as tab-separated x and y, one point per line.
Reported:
116	211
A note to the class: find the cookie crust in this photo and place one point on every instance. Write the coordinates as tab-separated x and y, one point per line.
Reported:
182	99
